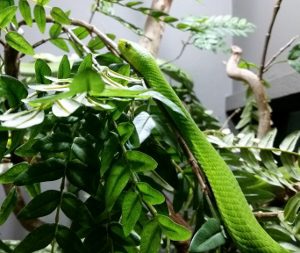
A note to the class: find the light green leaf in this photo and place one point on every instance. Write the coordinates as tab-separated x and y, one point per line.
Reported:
208	237
144	124
8	205
6	15
116	182
55	31
25	11
37	239
125	130
43	2
10	175
289	142
81	32
95	44
149	194
40	17
86	64
131	211
22	119
292	208
17	41
43	204
42	70
60	16
140	162
65	107
173	230
60	43
64	69
268	140
150	237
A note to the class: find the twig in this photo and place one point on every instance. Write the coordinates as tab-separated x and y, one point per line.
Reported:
237	73
94	11
267	215
153	29
276	55
236	111
267	39
2	43
35	45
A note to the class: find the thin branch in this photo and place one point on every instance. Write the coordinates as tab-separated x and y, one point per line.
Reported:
95	7
276	55
235	112
2	43
267	215
256	85
153	29
37	44
267	39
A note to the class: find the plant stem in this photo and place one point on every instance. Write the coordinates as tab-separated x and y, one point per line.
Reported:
268	37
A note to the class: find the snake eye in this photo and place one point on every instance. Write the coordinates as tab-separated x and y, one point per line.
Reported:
127	45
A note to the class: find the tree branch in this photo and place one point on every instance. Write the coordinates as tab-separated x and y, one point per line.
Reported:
153	29
255	83
267	39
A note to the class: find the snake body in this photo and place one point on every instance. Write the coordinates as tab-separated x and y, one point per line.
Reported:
236	214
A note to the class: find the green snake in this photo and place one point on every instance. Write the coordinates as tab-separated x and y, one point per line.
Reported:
236	214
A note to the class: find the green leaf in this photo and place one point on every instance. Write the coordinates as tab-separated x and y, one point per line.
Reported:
268	140
17	41
22	119
43	2
294	58
13	90
3	143
109	150
173	230
140	162
95	44
292	208
68	240
60	16
150	237
8	205
10	175
289	142
6	15
43	204
40	17
87	81
81	32
125	130
25	11
60	43
208	237
49	170
37	239
149	194
65	107
116	182
64	69
42	70
84	151
131	211
144	124
75	209
55	31
86	64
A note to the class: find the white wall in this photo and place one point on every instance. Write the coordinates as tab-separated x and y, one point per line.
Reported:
206	68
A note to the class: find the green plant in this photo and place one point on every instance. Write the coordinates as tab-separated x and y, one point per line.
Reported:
93	125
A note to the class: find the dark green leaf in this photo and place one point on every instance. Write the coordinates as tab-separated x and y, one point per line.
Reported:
37	239
294	57
131	211
41	71
87	81
8	205
149	194
25	11
55	31
17	41
10	175
68	240
43	204
173	230
208	237
150	237
95	44
81	32
140	162
3	143
13	90
84	151
109	150
60	16
49	170
292	208
40	17
116	182
6	15
64	69
60	43
125	130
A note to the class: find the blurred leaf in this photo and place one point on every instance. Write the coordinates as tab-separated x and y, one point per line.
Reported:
289	142
150	237
149	194
292	208
9	176
60	43
60	16
86	64
109	150
95	44
144	124
8	205
140	162
81	32
64	69
268	140
131	211
3	143
37	239
25	10
17	41
208	237
125	130
6	15
42	70
55	31
43	2
43	204
40	17
65	107
294	58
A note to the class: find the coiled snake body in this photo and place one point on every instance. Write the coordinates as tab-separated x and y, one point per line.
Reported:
236	214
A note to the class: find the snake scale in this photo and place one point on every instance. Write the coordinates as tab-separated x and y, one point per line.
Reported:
236	214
